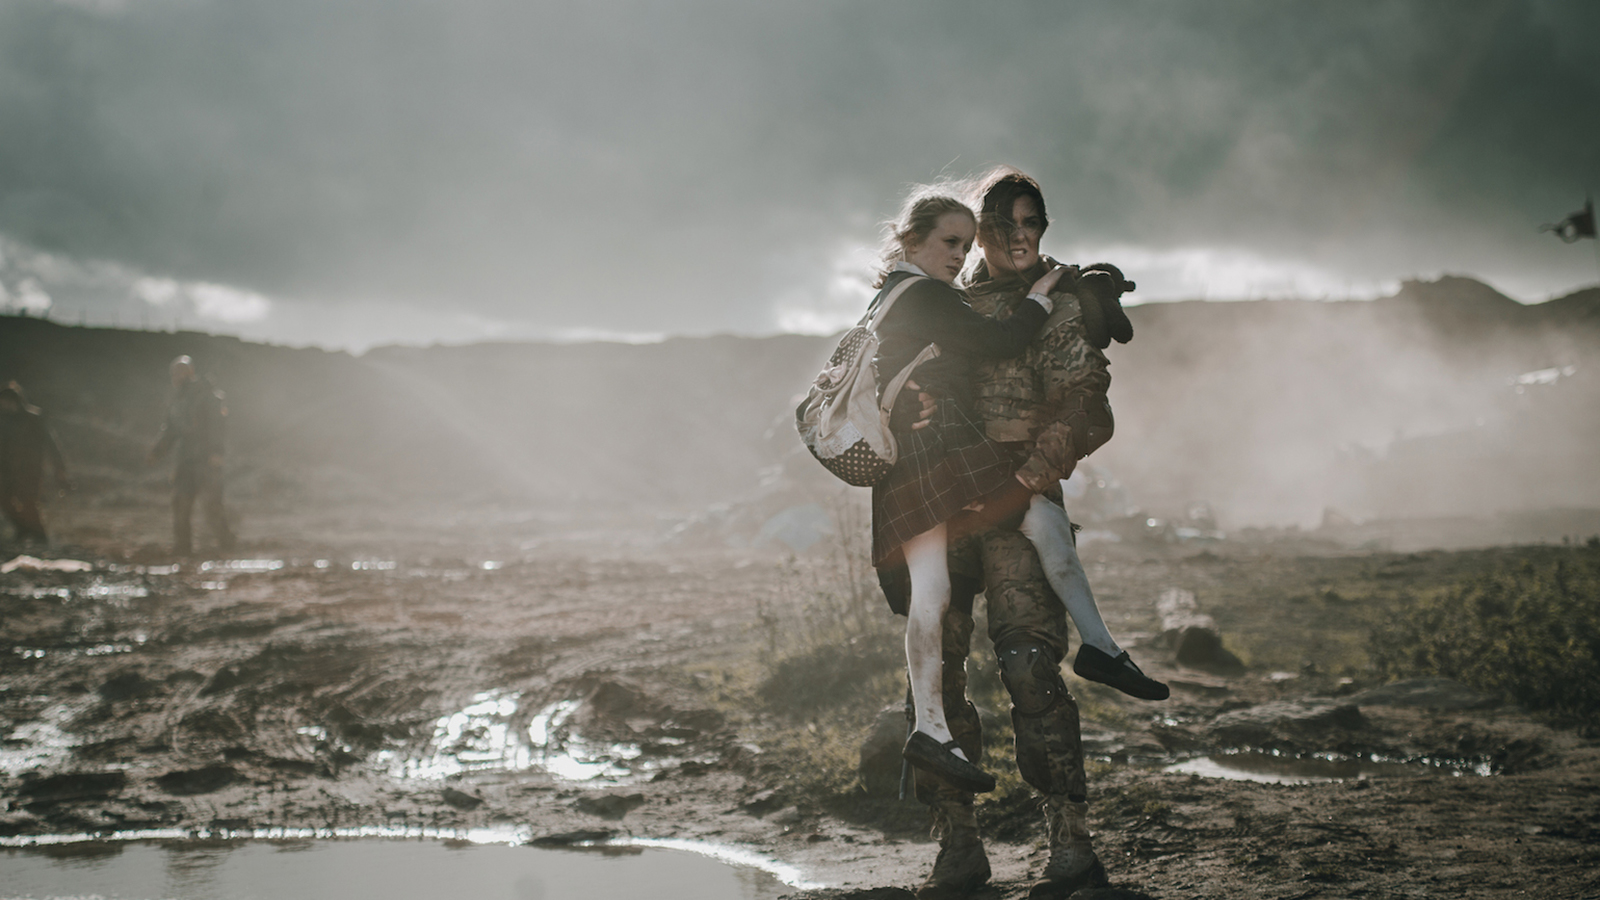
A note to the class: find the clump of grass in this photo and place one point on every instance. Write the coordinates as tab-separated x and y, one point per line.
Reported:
828	656
1529	631
831	642
1138	803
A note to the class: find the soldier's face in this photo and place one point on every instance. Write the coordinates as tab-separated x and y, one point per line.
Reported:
944	251
1021	252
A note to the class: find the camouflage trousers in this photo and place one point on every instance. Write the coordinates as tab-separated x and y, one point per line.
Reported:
1021	609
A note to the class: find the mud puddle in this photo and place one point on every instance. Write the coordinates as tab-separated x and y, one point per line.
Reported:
1265	767
392	869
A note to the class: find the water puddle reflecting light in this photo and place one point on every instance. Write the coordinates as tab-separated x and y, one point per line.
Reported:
242	566
477	737
1322	768
482	737
309	865
38	744
567	755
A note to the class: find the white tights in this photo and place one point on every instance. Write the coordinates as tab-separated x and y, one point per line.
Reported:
1047	527
930	598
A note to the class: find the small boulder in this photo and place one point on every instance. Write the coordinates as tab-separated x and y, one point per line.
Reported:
788	816
880	753
127	685
608	806
189	782
572	838
461	799
763	802
1200	647
70	787
1425	693
1287	725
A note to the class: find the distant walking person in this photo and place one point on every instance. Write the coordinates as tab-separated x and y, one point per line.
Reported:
194	426
26	444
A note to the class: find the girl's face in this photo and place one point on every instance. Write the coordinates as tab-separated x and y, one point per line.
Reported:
944	251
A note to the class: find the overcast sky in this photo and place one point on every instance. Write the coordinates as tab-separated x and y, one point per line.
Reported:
352	172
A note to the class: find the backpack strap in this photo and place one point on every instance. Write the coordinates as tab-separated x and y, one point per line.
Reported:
889	299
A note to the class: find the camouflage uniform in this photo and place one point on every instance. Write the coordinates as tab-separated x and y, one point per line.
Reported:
1049	406
1050	402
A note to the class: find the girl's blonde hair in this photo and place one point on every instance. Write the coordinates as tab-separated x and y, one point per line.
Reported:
919	215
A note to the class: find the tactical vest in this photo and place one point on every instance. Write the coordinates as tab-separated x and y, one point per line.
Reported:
1011	393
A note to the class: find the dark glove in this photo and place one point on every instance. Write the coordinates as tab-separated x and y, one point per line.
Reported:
1105	283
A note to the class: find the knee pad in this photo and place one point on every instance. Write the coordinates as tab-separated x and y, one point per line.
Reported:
1032	676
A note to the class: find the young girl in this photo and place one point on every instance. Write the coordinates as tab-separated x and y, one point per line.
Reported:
948	465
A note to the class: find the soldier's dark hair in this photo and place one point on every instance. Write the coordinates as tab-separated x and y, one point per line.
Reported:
1000	188
13	391
919	215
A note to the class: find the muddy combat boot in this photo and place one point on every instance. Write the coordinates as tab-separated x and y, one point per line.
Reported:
1072	864
962	867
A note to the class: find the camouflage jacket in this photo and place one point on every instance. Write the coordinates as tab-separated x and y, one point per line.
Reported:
1051	402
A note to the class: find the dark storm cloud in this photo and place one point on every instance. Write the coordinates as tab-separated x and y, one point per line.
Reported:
673	167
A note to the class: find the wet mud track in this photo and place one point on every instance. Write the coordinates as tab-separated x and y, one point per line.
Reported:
564	699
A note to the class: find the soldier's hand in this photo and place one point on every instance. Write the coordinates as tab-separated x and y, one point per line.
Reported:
930	405
1047	283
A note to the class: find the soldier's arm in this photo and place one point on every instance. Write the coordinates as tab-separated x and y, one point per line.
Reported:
1072	373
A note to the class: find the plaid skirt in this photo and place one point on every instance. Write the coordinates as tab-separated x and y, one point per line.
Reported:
941	469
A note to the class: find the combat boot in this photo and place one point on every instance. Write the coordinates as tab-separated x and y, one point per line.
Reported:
962	866
1072	864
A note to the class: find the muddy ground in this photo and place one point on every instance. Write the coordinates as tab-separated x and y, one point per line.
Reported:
569	680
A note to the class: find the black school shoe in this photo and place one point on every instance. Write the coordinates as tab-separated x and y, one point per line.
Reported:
929	755
1119	672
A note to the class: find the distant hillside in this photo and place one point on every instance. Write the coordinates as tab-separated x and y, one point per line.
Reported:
679	422
1269	410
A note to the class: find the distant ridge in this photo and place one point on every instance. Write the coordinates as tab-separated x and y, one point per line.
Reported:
1270	410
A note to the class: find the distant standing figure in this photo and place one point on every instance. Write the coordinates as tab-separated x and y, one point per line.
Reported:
26	444
194	425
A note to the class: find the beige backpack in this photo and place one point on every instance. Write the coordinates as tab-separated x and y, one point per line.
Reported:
842	420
